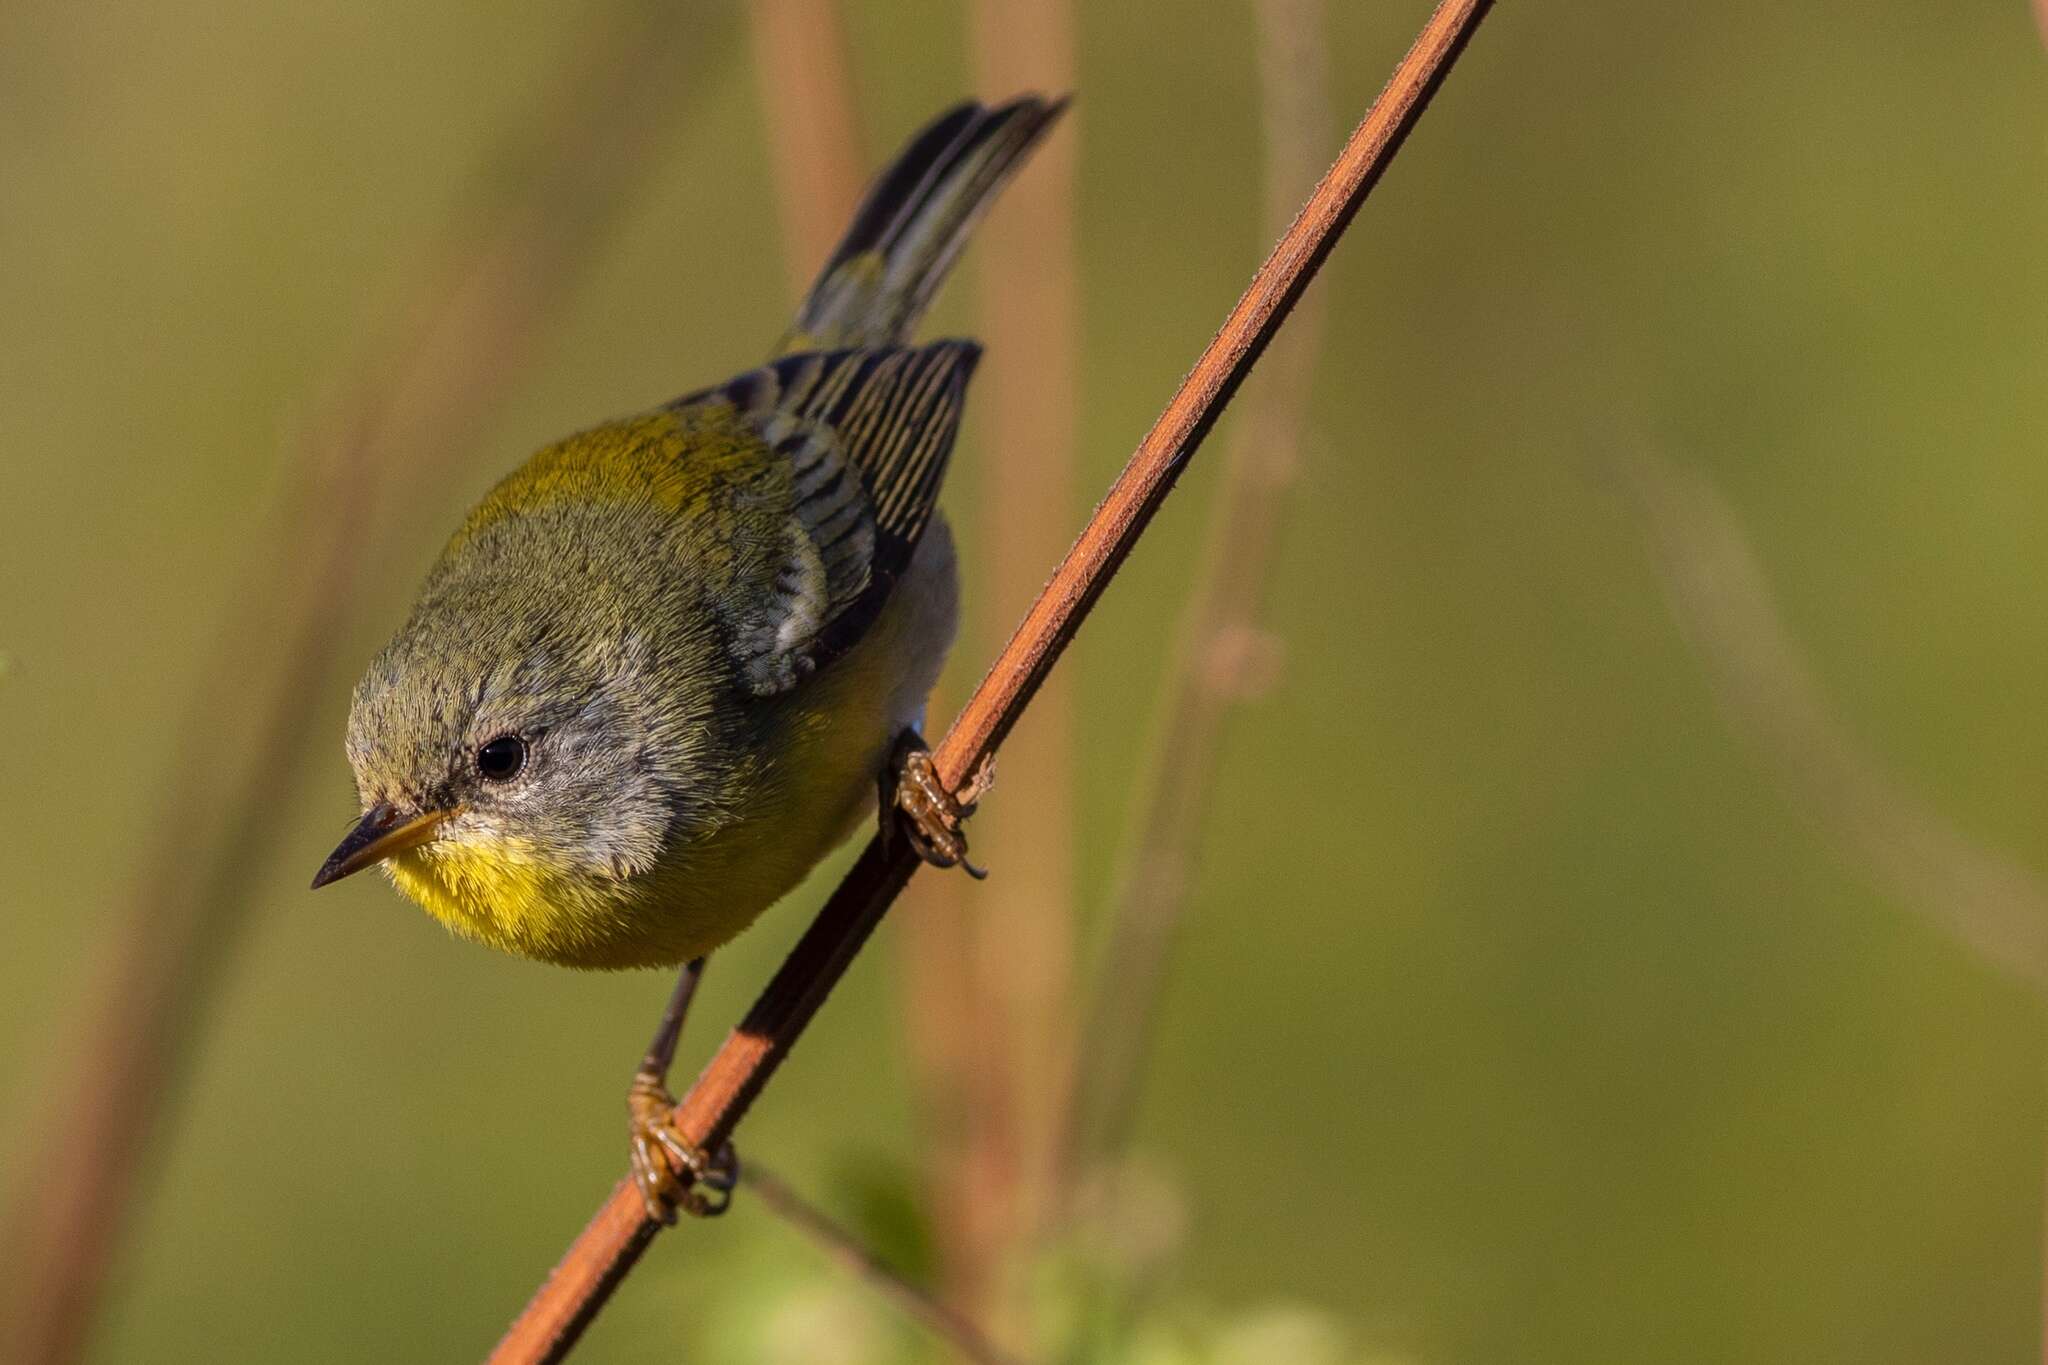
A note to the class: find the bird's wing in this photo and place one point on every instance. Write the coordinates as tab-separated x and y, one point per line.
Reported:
864	435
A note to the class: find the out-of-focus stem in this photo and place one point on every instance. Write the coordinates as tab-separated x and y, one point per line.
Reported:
1887	832
1008	949
843	1247
1881	827
815	156
424	389
1224	655
801	64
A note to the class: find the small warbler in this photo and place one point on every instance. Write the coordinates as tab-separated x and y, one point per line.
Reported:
657	673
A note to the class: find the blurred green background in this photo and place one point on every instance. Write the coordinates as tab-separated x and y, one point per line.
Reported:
1522	1016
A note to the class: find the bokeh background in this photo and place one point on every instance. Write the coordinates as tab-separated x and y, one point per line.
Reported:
1530	1004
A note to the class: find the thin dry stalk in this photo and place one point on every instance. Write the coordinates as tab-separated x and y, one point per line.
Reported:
426	388
1908	850
609	1246
1224	656
806	80
916	1303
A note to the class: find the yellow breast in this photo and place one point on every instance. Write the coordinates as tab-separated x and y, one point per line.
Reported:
499	892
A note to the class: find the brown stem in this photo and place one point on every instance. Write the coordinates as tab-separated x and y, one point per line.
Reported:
842	1246
426	386
606	1250
1220	657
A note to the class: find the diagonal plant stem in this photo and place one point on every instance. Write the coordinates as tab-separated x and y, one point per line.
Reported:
611	1244
842	1246
1222	653
427	385
1887	832
1771	697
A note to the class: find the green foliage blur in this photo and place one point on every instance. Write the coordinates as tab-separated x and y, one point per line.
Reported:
1521	1017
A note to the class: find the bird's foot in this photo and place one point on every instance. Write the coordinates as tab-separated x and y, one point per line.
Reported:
668	1170
917	806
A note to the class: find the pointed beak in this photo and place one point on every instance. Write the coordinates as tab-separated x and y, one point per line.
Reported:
383	831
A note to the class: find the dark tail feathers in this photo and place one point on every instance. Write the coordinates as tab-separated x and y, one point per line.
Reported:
913	222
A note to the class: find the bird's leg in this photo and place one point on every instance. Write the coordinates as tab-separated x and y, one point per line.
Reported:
917	807
667	1168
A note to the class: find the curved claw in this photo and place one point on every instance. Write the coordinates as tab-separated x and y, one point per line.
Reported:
919	808
668	1171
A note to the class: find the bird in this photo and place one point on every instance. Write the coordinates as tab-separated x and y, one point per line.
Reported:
665	666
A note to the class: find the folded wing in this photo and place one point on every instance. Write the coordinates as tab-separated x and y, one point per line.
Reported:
864	435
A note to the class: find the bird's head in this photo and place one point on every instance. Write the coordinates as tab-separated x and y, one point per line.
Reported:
503	730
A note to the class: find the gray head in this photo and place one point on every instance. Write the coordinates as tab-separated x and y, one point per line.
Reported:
515	723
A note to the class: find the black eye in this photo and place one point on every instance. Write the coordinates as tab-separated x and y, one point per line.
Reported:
502	758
